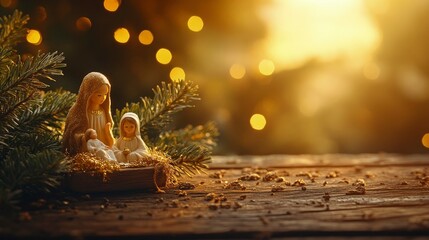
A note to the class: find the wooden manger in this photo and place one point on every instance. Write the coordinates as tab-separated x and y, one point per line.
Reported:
125	179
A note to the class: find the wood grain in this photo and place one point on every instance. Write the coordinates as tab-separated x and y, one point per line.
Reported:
395	204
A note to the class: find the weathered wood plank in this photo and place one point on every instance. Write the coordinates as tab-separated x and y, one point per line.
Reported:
327	160
395	204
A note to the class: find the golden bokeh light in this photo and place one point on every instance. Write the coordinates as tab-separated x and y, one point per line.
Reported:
237	71
111	5
121	35
266	67
83	24
371	71
146	37
177	74
258	121
163	56
195	23
425	140
34	37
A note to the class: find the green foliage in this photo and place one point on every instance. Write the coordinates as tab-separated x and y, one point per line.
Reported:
30	119
188	148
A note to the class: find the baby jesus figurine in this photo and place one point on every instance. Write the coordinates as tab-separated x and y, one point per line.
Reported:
98	147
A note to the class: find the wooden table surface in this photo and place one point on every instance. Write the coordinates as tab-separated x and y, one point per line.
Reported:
304	196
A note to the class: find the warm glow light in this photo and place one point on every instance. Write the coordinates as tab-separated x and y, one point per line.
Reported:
371	71
6	3
257	121
83	24
322	90
266	67
121	35
195	24
163	56
425	140
34	37
111	5
310	105
301	30
177	74
237	71
145	37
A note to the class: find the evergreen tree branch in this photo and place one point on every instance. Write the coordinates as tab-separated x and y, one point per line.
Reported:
168	99
25	76
21	85
12	29
202	135
9	115
48	113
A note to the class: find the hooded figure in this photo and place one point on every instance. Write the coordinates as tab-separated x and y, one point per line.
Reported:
130	147
91	110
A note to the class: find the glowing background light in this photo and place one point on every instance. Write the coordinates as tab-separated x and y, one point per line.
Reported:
195	23
237	71
177	74
371	71
266	67
335	75
121	35
146	37
323	31
83	24
258	121
111	5
34	37
163	56
425	140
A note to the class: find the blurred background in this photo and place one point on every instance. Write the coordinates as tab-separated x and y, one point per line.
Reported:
277	76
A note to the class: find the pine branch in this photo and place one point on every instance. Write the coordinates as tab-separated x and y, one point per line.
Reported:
25	76
202	135
189	159
9	116
21	86
30	121
48	113
12	29
189	148
33	172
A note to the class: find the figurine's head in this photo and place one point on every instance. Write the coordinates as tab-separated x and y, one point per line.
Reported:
130	125
94	90
90	134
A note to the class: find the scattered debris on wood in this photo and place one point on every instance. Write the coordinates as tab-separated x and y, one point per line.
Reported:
299	183
218	174
270	176
250	177
333	174
236	185
359	190
277	188
359	182
186	186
